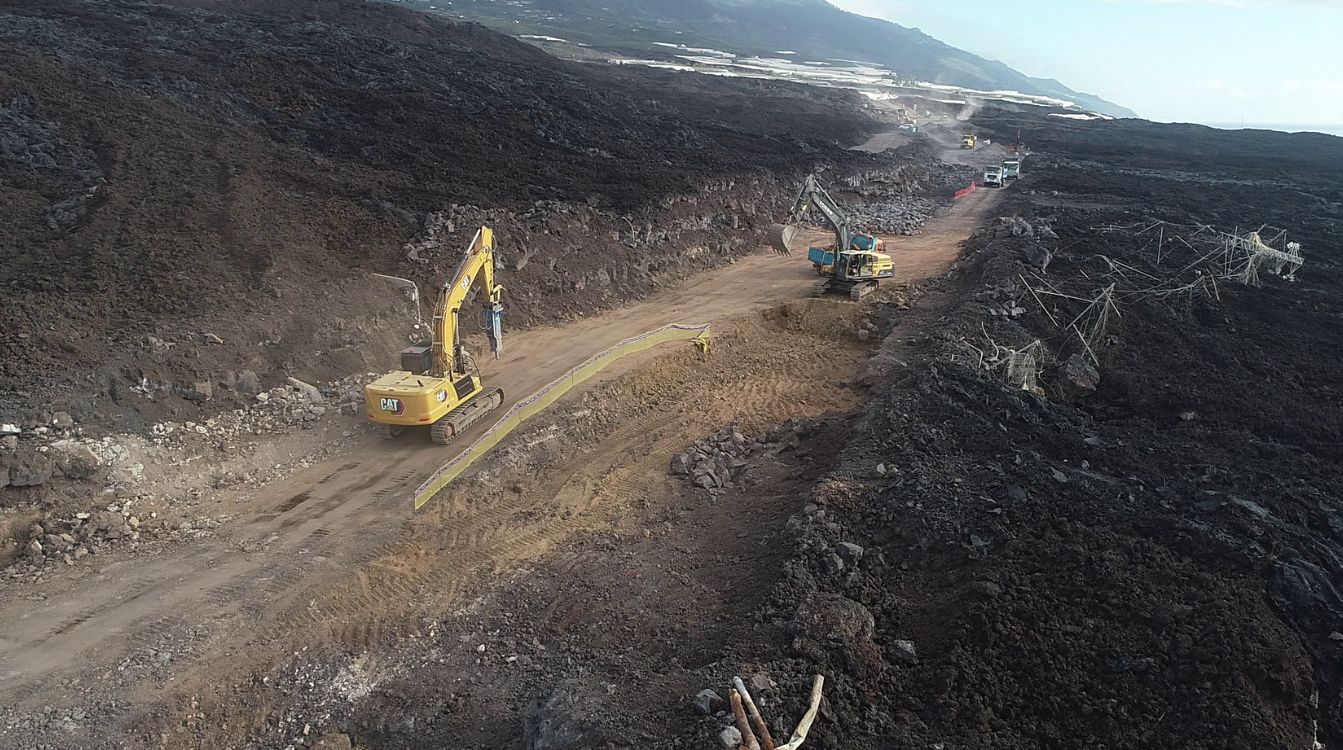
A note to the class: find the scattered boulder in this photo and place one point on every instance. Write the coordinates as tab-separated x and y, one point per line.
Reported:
78	461
849	552
30	471
1077	378
113	525
904	651
835	627
1015	226
248	383
1038	256
680	464
830	617
759	684
986	589
62	420
709	702
198	391
730	738
309	391
722	460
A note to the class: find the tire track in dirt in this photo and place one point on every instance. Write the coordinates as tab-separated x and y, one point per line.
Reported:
471	537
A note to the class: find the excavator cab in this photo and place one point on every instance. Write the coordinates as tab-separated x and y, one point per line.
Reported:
823	258
867	266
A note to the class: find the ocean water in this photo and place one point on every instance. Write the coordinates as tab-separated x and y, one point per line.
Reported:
1286	127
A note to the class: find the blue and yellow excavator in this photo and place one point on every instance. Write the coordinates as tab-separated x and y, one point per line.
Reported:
854	264
438	385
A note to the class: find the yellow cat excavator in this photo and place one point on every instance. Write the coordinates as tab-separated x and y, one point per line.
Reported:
438	385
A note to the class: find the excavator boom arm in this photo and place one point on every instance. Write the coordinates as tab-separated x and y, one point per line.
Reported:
812	194
478	265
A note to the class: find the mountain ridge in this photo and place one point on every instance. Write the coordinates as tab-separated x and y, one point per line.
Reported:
768	26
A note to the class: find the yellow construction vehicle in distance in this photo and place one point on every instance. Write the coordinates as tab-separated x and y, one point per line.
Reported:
438	385
968	140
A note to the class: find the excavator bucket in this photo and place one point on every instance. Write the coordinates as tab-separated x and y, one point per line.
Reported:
780	237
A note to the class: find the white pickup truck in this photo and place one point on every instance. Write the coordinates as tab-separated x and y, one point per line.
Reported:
993	176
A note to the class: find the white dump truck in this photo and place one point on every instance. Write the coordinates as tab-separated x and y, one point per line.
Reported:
993	176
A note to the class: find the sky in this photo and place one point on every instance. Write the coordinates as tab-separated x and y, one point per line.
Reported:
1208	61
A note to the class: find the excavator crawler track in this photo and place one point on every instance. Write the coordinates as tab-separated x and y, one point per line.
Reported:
452	425
862	289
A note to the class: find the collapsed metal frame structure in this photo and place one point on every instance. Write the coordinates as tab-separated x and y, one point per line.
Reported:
1183	262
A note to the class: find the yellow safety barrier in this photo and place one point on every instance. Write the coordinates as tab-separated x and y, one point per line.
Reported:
537	402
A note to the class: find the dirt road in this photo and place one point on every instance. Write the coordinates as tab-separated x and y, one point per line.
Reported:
199	604
929	253
883	141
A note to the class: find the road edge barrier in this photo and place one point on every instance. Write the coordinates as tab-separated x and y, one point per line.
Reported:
537	402
974	185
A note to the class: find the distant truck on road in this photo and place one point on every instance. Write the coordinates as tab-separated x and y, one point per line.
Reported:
993	176
1012	169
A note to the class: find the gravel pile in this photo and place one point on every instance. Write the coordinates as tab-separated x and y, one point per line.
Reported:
297	404
721	461
900	215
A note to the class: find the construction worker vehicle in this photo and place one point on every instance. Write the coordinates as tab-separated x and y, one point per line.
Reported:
1012	169
968	140
993	176
853	264
438	385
